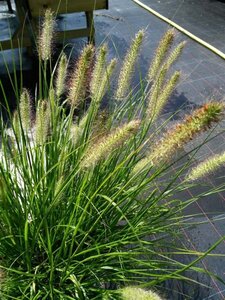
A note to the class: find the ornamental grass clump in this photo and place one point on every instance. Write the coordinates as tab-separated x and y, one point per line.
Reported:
76	221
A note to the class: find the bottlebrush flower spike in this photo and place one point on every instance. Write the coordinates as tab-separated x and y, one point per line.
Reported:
79	77
16	122
160	91
46	36
174	139
61	75
135	293
76	130
161	53
100	126
42	121
25	109
158	99
100	92
99	69
155	91
128	66
174	55
102	149
206	167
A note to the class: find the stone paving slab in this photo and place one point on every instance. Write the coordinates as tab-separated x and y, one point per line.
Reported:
203	71
204	18
203	79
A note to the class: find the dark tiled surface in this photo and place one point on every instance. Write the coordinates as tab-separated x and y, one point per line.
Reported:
203	79
204	18
203	73
198	65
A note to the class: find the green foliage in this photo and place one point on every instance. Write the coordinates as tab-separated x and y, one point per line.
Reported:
75	221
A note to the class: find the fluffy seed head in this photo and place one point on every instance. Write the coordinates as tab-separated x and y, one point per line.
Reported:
46	36
58	191
76	130
174	55
99	69
99	129
199	121
128	66
135	293
98	151
42	121
16	122
161	52
25	109
155	91
206	167
75	133
156	105
51	95
159	94
61	75
79	77
102	88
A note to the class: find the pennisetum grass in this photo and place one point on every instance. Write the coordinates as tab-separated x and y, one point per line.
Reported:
25	109
46	36
200	120
80	218
128	66
160	95
161	52
133	293
42	121
77	89
206	167
61	75
99	69
109	144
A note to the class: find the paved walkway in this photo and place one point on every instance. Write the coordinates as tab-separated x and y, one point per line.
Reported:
203	71
203	79
204	18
